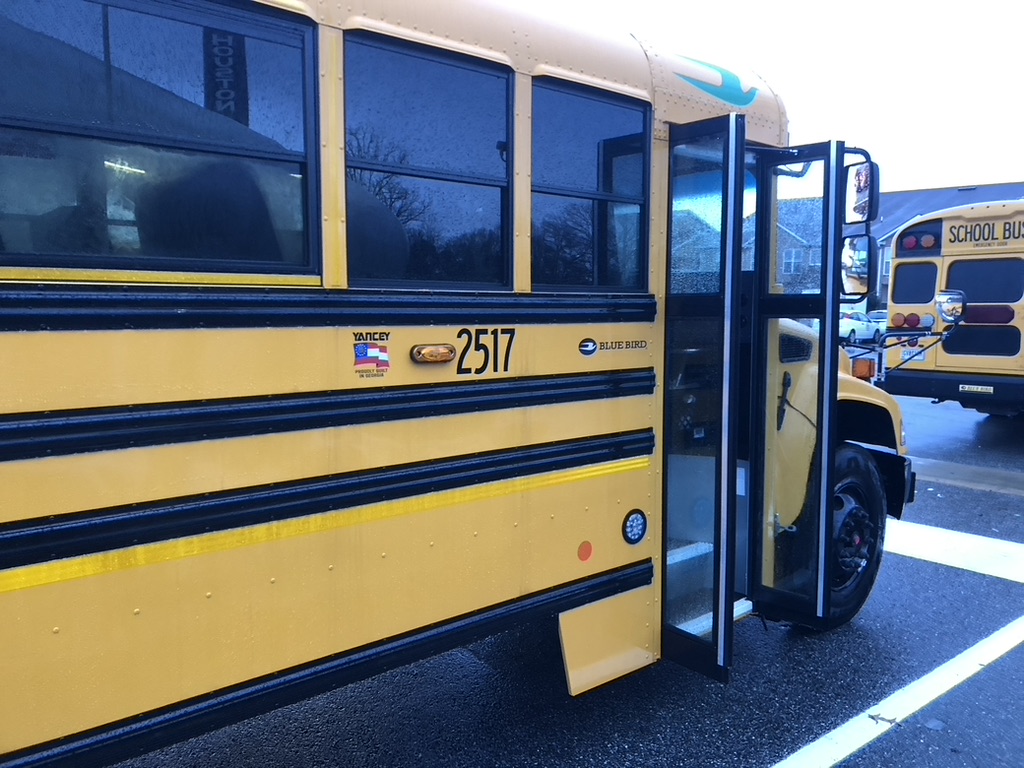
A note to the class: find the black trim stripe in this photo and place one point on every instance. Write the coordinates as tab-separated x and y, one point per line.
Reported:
27	436
82	308
162	728
35	541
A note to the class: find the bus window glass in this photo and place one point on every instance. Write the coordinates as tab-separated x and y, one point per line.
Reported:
695	258
697	210
981	340
988	280
589	189
427	138
799	190
914	283
193	159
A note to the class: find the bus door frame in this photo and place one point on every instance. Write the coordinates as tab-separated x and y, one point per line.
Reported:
712	305
745	306
823	308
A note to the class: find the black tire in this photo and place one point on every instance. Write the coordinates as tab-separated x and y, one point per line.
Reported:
852	338
876	337
858	531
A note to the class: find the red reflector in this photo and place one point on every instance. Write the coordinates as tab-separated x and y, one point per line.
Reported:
898	320
913	320
910	242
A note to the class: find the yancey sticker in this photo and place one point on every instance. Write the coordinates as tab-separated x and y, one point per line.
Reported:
371	356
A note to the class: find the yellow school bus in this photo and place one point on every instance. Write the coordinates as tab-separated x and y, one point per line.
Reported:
977	250
336	335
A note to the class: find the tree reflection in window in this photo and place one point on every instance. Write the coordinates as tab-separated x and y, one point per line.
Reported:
427	154
590	154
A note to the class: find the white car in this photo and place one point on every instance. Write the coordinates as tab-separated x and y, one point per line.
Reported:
880	317
856	326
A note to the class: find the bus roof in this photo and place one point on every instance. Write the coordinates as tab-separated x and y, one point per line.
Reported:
966	208
681	89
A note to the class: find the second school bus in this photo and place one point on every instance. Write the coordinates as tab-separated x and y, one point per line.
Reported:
977	250
336	335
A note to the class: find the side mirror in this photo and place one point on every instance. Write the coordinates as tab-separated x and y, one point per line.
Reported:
861	192
951	306
859	256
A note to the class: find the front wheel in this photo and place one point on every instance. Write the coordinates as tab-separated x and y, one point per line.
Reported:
852	337
858	531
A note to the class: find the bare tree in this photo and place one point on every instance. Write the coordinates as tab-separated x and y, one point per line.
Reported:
387	186
564	246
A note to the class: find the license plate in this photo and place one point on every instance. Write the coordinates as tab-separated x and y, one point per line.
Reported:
916	355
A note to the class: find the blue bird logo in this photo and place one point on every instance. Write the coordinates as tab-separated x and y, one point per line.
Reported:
730	91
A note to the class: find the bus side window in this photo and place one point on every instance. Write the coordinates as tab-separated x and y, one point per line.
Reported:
215	210
377	245
71	229
914	283
113	157
427	135
589	188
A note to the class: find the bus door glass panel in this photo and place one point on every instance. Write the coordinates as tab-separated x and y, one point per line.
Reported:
794	320
700	487
790	524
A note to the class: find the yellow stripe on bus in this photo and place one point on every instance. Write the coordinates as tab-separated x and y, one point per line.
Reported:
44	274
27	577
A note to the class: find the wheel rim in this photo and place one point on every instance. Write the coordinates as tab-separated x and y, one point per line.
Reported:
855	538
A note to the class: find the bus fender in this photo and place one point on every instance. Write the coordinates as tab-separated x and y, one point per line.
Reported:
898	477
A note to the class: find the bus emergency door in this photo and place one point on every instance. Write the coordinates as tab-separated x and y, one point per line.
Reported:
749	373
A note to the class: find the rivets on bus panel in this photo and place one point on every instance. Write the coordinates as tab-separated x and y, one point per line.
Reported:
634	526
432	353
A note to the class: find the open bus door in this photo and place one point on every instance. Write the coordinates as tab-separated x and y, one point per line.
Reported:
751	377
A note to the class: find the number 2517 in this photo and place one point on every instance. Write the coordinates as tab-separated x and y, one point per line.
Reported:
485	349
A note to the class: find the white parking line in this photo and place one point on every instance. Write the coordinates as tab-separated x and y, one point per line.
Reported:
857	733
992	557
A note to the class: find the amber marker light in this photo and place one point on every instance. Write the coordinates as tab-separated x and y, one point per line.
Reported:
432	353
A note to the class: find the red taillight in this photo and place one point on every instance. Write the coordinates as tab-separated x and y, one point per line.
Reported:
898	320
910	242
928	241
913	320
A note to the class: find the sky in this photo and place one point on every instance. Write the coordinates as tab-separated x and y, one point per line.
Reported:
934	91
